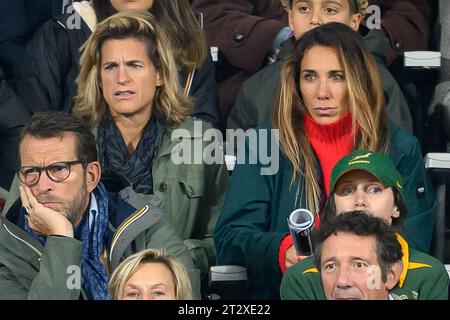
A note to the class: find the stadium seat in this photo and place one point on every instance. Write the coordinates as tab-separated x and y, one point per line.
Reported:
228	282
438	165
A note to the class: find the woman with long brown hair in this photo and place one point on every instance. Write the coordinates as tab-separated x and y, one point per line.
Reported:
330	103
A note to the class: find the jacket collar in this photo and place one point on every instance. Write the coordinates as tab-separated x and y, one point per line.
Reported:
136	223
407	263
86	12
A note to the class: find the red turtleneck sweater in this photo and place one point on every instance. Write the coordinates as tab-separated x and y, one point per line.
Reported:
330	142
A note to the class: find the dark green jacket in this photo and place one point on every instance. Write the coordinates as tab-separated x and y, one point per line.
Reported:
423	278
256	98
28	270
253	221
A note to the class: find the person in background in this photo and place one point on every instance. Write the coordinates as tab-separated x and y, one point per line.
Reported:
407	25
13	117
254	106
248	33
19	19
150	275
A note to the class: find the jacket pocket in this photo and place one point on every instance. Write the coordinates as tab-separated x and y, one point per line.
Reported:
192	187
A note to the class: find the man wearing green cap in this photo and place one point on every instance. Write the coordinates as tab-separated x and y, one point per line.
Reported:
369	182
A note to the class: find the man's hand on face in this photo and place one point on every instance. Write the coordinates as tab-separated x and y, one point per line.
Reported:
42	220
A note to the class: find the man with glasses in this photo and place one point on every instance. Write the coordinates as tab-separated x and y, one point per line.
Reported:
65	234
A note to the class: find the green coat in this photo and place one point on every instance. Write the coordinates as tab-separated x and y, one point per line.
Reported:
254	103
253	221
424	278
192	194
28	270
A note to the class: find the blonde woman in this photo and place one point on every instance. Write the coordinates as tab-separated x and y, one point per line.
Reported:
129	91
330	103
150	275
52	63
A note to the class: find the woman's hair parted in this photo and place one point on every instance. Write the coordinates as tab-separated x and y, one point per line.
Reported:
364	99
126	269
179	21
169	103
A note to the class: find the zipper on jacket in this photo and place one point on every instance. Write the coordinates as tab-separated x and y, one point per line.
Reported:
124	226
29	245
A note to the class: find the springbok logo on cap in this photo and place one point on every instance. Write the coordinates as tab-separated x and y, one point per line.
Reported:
376	163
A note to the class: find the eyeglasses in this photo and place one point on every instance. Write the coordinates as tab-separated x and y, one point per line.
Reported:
57	172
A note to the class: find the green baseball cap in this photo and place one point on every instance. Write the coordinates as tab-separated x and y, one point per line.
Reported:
377	164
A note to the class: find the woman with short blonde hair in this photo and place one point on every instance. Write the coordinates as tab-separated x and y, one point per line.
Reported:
128	90
123	273
170	103
55	50
177	18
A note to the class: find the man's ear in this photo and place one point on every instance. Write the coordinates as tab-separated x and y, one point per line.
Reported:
93	174
393	275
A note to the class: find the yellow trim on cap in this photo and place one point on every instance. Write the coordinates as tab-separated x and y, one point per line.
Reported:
312	270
